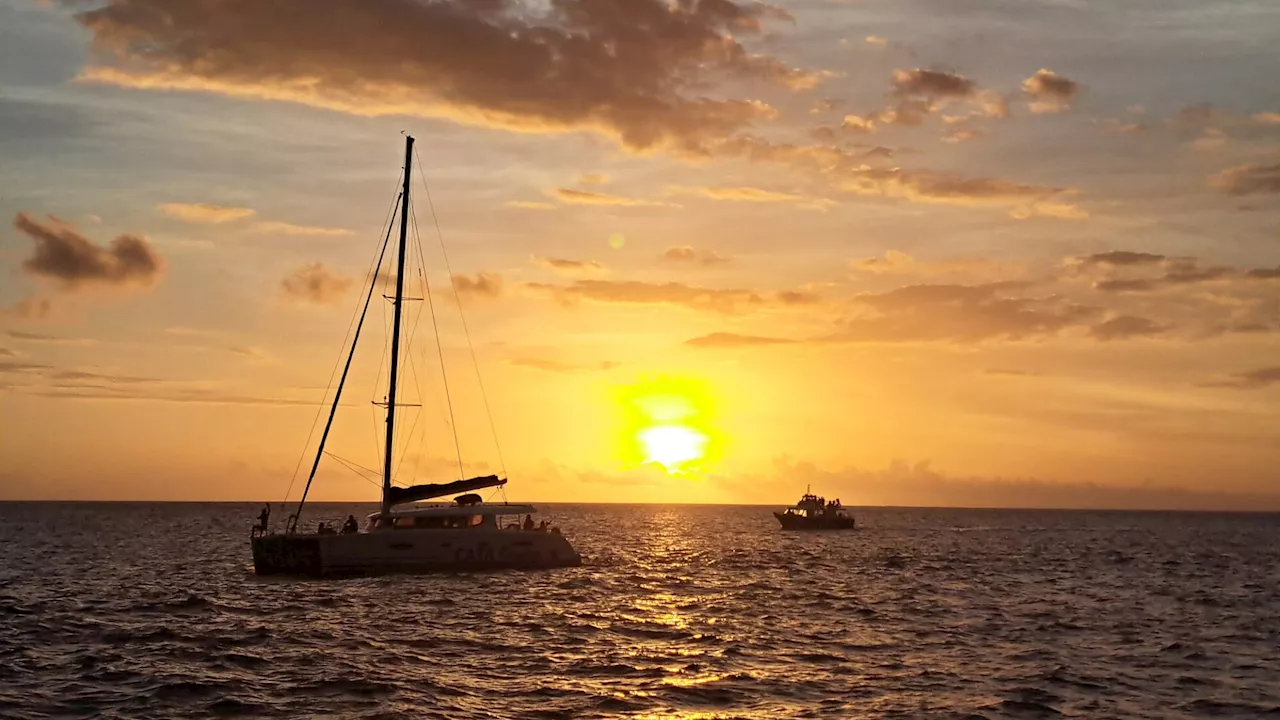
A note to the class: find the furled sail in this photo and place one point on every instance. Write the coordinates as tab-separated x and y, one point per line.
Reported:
414	493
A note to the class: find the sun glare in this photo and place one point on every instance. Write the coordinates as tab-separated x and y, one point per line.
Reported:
671	446
666	423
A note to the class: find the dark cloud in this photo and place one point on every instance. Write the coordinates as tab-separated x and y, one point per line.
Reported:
1127	285
632	69
30	308
1050	92
1120	258
917	94
1010	372
42	338
314	283
1251	380
671	293
849	171
173	395
13	366
1264	273
48	381
960	313
734	340
566	266
1248	179
688	254
481	284
1178	271
65	255
1124	327
932	83
1194	116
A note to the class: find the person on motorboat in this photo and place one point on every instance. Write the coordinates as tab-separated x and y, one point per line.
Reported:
350	525
528	522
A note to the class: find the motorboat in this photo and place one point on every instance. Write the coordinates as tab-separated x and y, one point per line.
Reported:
405	535
815	513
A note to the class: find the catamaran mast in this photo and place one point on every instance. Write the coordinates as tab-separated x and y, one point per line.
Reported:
395	329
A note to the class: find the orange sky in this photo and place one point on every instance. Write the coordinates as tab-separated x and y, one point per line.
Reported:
906	252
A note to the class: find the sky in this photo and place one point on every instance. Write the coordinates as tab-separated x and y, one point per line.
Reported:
912	252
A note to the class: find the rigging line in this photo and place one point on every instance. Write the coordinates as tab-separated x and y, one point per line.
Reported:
346	464
448	396
352	464
378	449
413	364
320	407
407	355
474	361
424	286
408	441
355	339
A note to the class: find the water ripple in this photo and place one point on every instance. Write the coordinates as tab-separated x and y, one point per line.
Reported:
152	611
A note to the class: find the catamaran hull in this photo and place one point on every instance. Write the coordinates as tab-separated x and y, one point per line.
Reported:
800	522
411	551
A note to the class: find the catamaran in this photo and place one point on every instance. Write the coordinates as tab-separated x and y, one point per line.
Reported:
467	534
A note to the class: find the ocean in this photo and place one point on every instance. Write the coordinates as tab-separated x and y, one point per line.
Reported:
151	610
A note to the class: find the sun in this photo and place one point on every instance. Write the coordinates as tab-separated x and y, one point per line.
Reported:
672	446
666	423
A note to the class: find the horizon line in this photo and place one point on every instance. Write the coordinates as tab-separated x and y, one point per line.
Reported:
1023	508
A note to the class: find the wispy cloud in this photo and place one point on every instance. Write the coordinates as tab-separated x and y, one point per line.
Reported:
565	266
753	195
482	284
557	366
1250	380
283	228
1254	178
582	197
673	293
31	337
316	284
531	205
689	254
204	212
734	340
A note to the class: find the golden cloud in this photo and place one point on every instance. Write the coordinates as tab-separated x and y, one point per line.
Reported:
204	213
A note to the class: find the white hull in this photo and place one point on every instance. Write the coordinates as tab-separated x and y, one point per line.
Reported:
411	550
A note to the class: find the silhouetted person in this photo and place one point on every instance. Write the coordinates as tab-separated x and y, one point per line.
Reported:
542	526
262	519
528	522
350	525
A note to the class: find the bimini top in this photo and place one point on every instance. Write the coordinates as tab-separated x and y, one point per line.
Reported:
459	510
